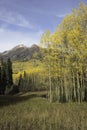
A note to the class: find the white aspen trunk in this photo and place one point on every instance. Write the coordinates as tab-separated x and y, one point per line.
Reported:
78	87
74	86
50	84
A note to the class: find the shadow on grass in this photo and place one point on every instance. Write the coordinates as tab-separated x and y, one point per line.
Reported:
11	100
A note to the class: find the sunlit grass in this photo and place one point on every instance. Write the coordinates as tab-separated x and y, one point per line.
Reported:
31	67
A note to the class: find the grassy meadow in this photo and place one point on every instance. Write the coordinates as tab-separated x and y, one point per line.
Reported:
32	111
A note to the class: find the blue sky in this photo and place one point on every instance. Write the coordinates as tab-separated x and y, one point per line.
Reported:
23	21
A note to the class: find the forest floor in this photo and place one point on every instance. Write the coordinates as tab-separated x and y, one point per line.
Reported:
32	111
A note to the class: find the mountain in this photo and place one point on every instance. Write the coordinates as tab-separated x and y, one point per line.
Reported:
21	52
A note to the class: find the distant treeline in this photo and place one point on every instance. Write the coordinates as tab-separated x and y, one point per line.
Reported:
32	82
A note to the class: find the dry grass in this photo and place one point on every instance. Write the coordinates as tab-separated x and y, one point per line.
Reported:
30	112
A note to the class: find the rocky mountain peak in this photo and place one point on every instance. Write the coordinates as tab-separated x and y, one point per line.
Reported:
21	52
19	46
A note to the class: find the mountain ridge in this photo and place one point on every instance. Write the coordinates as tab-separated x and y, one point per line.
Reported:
20	52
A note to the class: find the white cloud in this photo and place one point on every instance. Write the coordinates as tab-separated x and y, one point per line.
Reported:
14	18
9	39
61	15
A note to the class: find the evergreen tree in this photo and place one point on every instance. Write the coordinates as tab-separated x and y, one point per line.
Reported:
20	83
3	77
9	72
0	80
